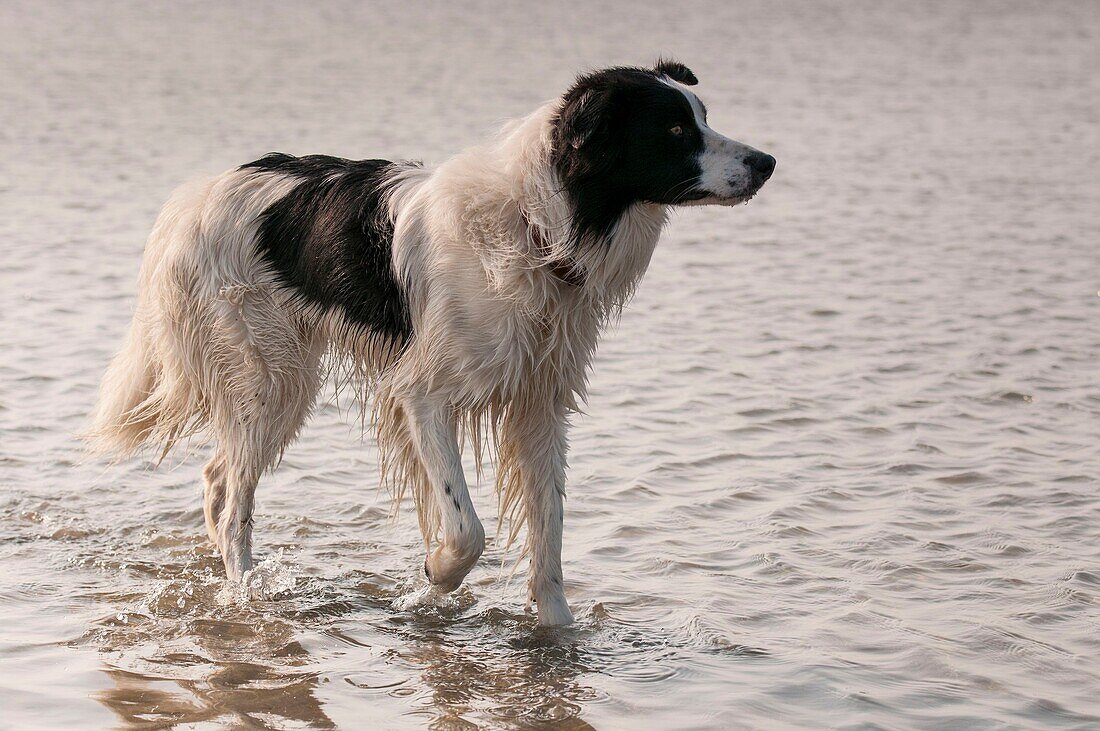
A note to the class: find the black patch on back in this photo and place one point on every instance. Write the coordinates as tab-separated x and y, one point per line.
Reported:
612	145
330	241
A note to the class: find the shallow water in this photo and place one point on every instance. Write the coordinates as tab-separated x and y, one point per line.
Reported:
840	463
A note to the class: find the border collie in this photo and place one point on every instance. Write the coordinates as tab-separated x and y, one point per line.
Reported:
465	299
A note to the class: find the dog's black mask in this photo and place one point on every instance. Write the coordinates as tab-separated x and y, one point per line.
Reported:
631	135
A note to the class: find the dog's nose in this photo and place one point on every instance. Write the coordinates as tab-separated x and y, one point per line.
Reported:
761	163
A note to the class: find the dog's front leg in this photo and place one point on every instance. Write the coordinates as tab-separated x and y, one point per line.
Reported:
432	428
535	434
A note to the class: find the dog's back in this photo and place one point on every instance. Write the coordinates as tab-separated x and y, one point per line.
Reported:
247	280
233	268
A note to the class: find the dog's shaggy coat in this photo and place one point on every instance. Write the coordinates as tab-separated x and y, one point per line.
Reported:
465	299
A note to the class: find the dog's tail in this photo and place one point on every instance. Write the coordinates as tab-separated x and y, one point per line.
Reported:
127	414
146	395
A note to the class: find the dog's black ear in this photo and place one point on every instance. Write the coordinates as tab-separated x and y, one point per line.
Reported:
585	117
675	71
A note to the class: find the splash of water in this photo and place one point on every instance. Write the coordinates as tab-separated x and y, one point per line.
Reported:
425	595
270	579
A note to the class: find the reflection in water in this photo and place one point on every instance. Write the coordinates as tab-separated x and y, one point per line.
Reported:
211	670
192	652
525	679
235	693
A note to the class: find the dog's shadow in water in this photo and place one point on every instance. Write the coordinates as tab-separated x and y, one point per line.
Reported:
452	666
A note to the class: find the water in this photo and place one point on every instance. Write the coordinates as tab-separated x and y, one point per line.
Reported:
841	458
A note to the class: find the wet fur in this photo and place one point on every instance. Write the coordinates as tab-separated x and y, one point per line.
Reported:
438	292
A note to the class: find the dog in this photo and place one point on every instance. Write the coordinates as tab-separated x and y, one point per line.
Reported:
464	302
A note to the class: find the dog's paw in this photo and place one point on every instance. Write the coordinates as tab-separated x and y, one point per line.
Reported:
446	569
554	611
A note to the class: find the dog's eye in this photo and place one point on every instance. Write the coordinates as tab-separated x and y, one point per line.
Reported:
677	131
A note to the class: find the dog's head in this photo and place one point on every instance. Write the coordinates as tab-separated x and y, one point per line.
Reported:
628	135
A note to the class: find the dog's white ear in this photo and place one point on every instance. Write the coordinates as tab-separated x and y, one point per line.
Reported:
675	71
585	117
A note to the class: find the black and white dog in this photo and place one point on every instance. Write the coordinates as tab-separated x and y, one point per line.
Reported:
466	299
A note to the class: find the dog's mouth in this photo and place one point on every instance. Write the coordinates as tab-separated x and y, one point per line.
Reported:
694	196
706	198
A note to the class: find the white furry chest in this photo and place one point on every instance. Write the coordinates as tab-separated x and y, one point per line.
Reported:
496	349
490	318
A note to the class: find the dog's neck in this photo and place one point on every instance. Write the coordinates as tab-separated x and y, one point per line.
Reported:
567	269
606	269
510	185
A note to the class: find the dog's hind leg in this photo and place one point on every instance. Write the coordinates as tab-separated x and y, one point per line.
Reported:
243	468
250	446
432	428
263	373
213	498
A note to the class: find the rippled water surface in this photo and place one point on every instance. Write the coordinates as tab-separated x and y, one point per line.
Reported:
840	463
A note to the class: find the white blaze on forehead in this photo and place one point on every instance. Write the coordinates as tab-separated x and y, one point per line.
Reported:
722	161
692	100
697	109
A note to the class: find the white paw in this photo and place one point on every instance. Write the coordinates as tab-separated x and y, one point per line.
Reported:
553	610
446	567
